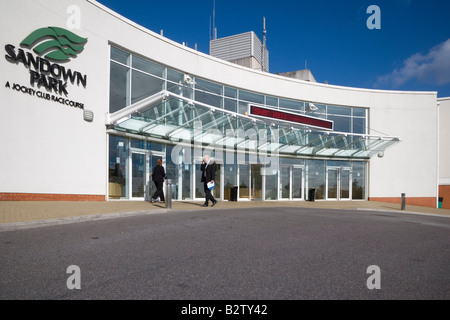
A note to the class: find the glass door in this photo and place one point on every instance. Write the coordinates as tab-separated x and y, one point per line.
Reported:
244	181
138	175
345	184
332	183
216	190
297	182
199	193
256	185
291	182
285	182
338	183
152	162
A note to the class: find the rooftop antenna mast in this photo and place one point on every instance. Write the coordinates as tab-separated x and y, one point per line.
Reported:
214	21
264	31
264	48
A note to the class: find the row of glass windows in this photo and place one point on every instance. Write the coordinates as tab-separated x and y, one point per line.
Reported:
131	161
133	78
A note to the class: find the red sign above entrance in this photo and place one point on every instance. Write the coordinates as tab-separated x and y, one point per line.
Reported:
294	118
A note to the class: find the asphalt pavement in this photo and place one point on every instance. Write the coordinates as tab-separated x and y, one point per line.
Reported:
250	255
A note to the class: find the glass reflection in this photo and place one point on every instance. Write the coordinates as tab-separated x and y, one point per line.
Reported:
144	86
285	182
271	186
119	84
118	160
244	181
358	181
316	177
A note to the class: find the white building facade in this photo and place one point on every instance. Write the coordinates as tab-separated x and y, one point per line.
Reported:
90	101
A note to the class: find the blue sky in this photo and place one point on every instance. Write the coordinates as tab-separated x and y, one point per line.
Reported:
411	50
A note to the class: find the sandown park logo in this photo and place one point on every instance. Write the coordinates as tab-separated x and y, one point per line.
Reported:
56	43
53	46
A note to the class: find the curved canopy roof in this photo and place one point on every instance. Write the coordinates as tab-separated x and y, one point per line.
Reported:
181	120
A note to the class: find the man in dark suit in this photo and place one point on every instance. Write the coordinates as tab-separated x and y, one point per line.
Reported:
208	168
158	177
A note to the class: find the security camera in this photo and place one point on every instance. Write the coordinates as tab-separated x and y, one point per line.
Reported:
188	79
312	107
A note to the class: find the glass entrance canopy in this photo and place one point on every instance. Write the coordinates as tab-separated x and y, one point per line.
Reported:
180	120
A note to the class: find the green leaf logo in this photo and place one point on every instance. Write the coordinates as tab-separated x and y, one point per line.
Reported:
59	44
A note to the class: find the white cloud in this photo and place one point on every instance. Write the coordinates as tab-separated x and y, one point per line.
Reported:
432	68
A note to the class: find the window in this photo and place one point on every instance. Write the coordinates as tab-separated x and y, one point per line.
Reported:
134	78
119	87
341	124
292	104
230	105
144	85
271	101
316	175
210	99
359	112
230	92
148	67
344	111
358	181
207	86
359	125
120	56
251	97
118	163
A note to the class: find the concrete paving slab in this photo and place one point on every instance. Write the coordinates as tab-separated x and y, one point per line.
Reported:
24	211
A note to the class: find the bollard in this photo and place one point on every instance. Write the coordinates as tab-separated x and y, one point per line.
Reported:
403	201
168	194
